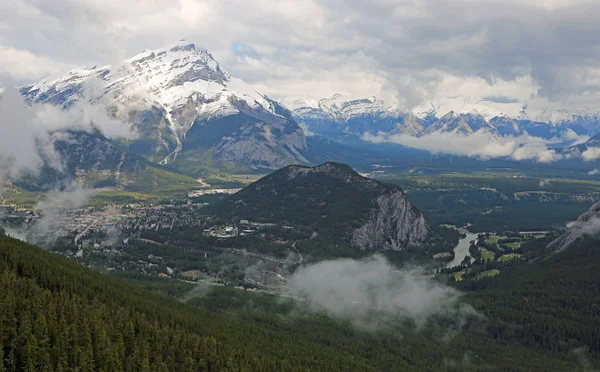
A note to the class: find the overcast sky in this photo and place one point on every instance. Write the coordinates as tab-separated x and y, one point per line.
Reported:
402	50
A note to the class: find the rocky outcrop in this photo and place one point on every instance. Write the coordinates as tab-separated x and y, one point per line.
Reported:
394	225
587	224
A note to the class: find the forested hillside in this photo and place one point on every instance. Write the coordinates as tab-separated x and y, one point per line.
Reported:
551	304
58	316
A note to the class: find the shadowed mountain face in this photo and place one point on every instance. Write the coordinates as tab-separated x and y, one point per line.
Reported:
96	162
332	197
185	110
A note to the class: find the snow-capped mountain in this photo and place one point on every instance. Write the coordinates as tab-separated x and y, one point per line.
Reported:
184	107
339	115
461	104
343	116
459	123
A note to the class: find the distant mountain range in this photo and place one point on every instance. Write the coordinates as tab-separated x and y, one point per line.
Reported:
196	118
339	116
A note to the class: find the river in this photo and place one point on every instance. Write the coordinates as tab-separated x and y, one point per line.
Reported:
462	248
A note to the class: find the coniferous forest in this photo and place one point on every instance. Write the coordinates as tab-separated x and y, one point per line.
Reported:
58	316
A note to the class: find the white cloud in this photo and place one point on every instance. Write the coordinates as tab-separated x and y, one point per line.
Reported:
543	183
24	65
480	144
371	291
594	171
52	209
26	140
83	116
591	153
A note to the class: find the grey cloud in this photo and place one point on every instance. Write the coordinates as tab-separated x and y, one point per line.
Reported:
314	46
24	142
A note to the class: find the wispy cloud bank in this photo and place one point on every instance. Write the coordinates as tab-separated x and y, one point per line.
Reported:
52	209
481	144
26	131
24	141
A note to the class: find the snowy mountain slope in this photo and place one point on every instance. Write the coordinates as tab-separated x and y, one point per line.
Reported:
166	92
460	115
459	123
339	115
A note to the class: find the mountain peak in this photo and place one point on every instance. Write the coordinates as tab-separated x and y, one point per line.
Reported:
169	94
179	46
449	115
475	112
183	46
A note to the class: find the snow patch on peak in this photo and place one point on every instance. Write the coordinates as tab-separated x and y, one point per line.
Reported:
168	76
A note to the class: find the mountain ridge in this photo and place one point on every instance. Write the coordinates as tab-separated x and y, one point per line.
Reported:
372	115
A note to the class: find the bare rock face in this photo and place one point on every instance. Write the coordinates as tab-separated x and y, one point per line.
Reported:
586	224
394	225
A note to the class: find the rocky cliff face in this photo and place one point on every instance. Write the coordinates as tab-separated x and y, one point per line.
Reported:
586	224
394	224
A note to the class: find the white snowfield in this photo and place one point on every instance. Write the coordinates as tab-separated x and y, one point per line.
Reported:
169	76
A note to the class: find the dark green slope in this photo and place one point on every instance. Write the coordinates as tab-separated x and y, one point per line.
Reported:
304	195
551	304
56	315
346	213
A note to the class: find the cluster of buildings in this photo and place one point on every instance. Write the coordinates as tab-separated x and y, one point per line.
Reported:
243	228
203	192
